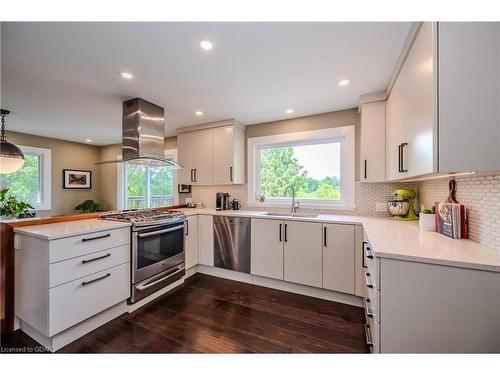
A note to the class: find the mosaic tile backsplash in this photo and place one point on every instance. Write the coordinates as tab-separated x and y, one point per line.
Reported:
480	192
367	195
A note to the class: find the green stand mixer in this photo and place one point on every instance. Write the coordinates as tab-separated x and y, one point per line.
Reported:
401	207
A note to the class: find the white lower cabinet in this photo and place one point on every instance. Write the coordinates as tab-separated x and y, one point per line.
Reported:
60	289
267	248
338	257
296	251
191	241
80	299
206	240
303	255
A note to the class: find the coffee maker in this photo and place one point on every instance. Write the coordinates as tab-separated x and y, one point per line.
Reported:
222	201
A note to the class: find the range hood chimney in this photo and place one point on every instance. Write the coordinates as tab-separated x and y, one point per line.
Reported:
143	126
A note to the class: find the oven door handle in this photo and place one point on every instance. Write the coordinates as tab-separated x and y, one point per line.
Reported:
156	232
149	285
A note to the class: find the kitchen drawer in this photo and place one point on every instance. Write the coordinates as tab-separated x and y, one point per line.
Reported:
80	299
75	246
372	333
76	268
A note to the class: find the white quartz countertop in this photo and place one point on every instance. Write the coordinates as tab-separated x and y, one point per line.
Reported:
388	238
69	228
397	240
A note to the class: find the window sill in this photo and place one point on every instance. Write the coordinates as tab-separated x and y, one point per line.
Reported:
341	206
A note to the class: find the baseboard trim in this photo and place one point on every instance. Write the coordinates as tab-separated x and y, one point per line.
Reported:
285	286
63	338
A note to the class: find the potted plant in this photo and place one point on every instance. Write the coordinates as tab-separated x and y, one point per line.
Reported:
88	206
427	219
10	207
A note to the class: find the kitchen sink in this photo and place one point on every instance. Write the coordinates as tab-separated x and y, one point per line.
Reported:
312	216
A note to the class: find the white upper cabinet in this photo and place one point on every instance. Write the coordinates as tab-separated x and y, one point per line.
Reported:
469	96
185	156
229	146
212	154
373	142
195	153
442	114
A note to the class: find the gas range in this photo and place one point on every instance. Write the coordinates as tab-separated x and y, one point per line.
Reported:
145	217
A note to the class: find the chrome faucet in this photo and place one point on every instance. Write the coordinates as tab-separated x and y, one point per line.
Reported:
294	207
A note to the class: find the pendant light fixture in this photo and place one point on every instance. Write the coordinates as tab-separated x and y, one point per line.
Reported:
11	156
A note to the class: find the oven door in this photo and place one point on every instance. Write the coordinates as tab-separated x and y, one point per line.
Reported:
156	249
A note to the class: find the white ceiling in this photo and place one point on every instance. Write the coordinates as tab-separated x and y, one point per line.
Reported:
62	80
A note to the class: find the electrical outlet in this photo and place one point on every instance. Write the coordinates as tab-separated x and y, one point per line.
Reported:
381	207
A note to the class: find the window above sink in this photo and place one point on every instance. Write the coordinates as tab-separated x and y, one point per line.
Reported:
319	164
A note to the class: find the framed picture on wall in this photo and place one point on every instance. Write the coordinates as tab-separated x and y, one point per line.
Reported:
184	188
77	179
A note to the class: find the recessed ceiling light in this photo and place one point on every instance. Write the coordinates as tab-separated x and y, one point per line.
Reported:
344	82
206	45
198	113
88	140
126	75
289	111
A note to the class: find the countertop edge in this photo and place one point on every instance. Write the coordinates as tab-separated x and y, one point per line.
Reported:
112	225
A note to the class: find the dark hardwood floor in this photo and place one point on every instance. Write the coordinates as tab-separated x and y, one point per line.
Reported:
213	315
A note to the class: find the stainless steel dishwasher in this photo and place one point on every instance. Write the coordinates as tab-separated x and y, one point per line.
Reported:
232	243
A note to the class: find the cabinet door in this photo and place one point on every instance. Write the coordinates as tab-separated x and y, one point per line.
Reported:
395	129
419	104
191	241
223	139
267	248
206	240
185	156
338	257
469	96
203	155
373	142
303	253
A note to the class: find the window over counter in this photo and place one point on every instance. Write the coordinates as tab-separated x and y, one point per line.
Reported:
31	183
144	186
319	164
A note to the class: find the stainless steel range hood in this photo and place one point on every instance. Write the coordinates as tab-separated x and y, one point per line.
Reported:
143	135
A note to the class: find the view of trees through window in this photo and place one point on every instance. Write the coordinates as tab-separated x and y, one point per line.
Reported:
24	184
148	186
314	171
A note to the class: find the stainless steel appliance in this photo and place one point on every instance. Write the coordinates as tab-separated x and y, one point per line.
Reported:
143	133
157	248
222	202
232	243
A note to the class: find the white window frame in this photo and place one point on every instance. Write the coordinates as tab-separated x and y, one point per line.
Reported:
120	201
45	168
345	135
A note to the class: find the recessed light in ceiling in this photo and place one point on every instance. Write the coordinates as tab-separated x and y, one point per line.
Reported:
198	113
344	82
206	45
289	111
88	140
126	75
